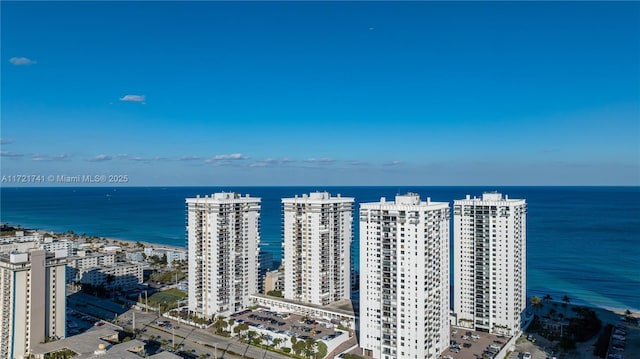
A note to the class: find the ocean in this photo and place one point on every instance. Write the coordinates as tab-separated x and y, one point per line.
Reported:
583	242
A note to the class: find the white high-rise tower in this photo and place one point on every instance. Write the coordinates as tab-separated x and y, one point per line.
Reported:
404	278
32	300
223	234
317	247
490	263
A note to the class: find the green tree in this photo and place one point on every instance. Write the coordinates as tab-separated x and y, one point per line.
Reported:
309	347
220	325
321	349
307	352
536	303
565	301
241	328
250	335
276	341
264	339
298	347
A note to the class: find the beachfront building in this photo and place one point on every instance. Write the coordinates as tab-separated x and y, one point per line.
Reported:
32	300
83	262
21	236
223	233
404	278
274	280
120	276
266	264
317	247
50	244
172	254
490	263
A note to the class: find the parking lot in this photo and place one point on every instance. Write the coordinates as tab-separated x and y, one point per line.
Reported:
466	344
288	324
78	322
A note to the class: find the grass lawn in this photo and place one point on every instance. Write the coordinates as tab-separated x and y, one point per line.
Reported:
167	297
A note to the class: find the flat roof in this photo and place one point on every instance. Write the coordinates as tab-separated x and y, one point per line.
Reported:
87	343
343	306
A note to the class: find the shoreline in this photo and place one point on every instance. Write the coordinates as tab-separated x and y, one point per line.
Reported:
107	240
132	245
612	314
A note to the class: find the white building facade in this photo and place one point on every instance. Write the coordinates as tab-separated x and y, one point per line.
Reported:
490	263
318	231
171	253
404	278
32	300
53	245
78	265
119	276
223	233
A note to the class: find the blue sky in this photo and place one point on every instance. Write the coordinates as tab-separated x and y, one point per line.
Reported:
298	93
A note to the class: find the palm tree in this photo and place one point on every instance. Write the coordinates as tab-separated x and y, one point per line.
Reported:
548	297
250	335
298	347
240	328
321	349
566	301
264	339
308	352
536	302
276	341
309	346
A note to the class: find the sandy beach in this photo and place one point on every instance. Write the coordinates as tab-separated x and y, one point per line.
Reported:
133	244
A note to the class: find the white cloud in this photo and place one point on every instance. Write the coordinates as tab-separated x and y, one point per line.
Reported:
10	154
323	160
189	158
226	157
22	61
271	162
101	158
357	163
392	163
60	157
232	156
133	98
5	141
147	159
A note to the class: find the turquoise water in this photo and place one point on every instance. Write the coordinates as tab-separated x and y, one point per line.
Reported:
582	241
